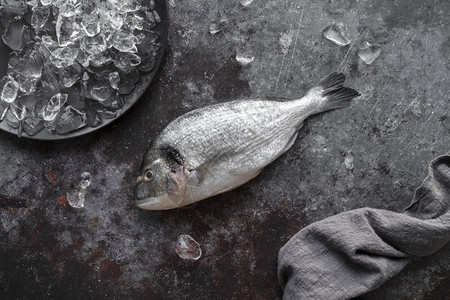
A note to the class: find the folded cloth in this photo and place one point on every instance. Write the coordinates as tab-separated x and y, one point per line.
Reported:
354	252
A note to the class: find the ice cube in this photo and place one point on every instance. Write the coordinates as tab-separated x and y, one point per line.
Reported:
148	63
124	42
39	17
187	248
172	3
16	35
70	74
9	92
49	44
18	110
156	16
125	60
46	2
68	30
63	57
49	81
114	80
368	52
75	97
33	124
115	19
29	100
4	106
244	59
93	44
128	81
335	35
133	22
91	24
101	91
72	119
53	106
33	3
66	9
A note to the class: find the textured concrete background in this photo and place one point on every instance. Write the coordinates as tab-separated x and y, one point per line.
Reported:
111	249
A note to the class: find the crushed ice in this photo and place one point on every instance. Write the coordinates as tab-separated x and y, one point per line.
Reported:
188	248
73	62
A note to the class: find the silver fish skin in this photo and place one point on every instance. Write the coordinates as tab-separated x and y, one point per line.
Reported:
217	148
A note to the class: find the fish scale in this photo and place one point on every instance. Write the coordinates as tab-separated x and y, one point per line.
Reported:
217	148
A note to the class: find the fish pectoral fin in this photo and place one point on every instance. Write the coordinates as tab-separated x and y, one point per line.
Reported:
176	187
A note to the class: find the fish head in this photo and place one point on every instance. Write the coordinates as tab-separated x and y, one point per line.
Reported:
159	186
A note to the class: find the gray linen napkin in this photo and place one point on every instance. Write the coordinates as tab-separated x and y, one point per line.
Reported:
354	252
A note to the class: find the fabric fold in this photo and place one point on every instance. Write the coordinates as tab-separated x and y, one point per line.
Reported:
354	252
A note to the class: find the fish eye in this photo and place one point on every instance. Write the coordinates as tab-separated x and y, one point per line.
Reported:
149	175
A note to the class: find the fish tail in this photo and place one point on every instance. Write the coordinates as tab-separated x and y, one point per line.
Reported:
333	93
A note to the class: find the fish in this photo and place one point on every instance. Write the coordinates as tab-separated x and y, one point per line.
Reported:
214	149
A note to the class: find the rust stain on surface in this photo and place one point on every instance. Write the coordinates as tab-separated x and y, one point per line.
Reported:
51	176
62	200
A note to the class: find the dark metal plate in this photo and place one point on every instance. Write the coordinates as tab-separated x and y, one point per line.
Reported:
162	28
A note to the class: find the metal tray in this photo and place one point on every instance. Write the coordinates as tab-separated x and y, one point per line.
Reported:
162	28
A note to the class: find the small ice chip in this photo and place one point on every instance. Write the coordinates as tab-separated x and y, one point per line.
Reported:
9	92
53	106
39	17
245	3
91	24
244	59
188	248
72	119
214	28
349	160
76	195
172	3
157	17
85	180
114	80
368	52
63	57
334	34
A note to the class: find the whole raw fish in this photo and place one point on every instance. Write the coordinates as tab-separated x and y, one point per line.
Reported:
217	148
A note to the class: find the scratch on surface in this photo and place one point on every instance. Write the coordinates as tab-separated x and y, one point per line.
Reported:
282	65
412	102
378	100
295	48
423	125
393	111
411	39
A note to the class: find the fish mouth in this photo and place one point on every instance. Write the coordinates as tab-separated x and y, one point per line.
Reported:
155	203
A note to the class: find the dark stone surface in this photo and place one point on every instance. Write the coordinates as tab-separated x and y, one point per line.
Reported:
111	249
